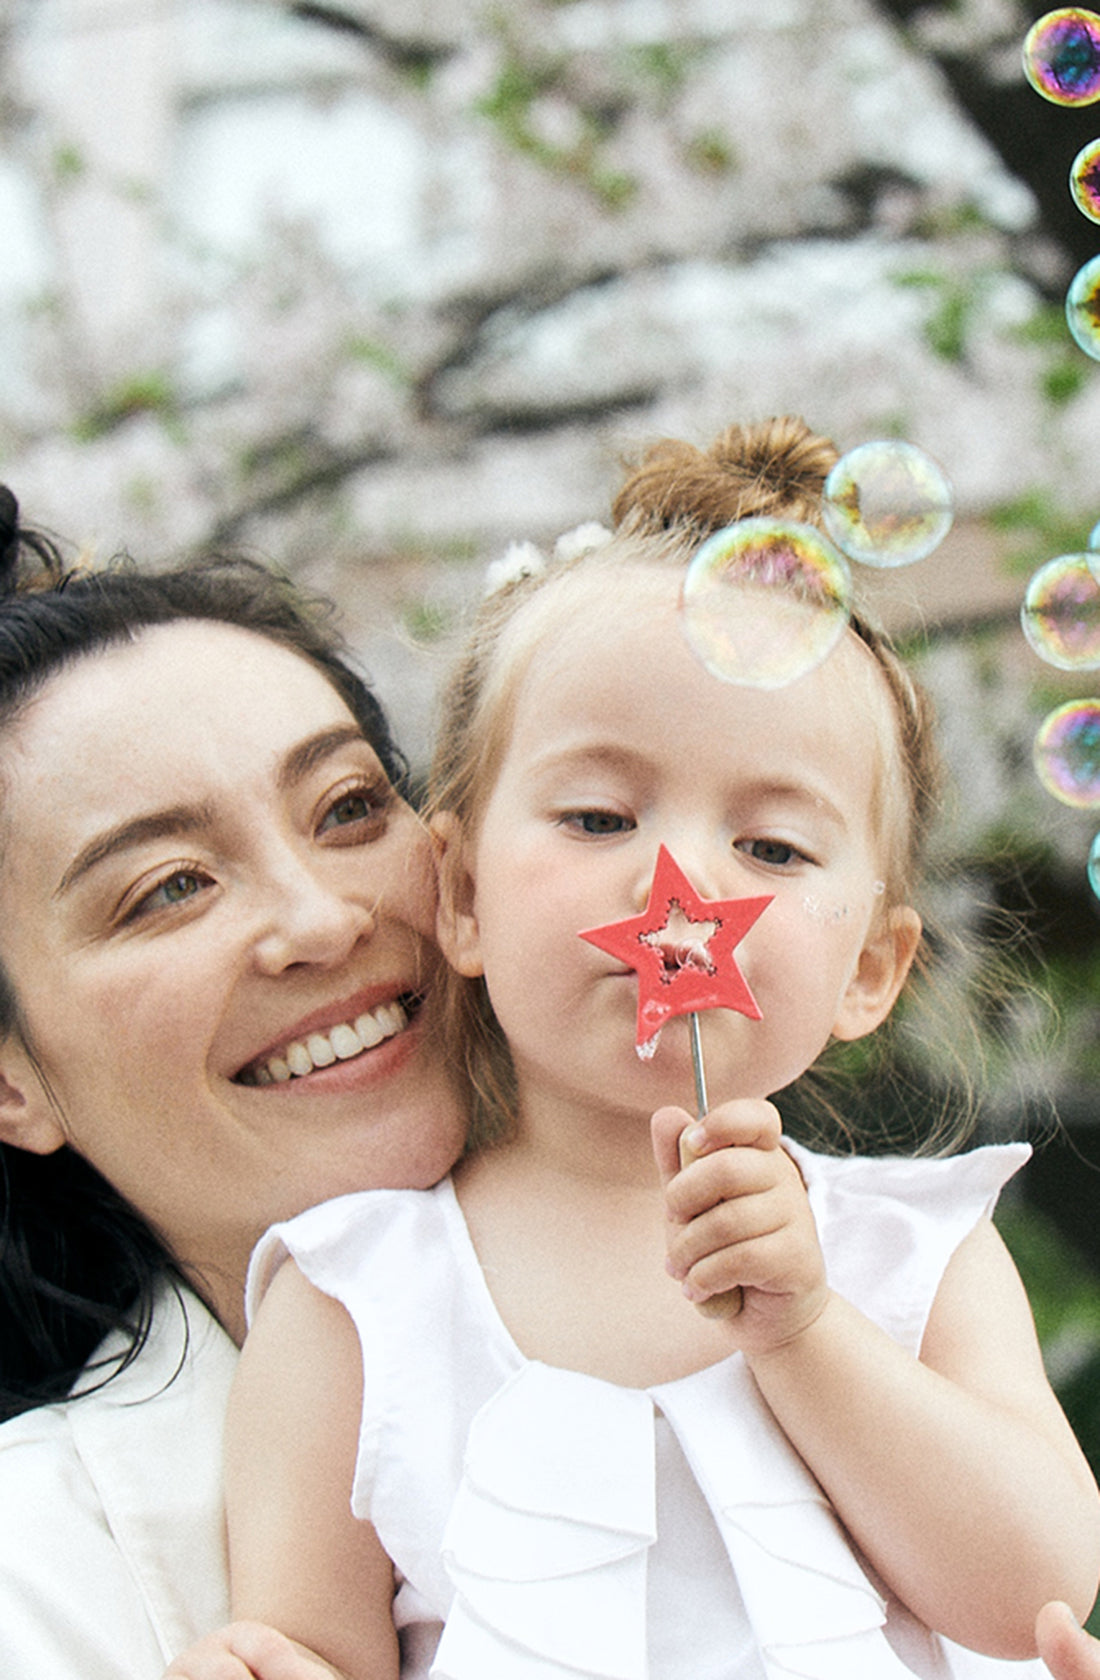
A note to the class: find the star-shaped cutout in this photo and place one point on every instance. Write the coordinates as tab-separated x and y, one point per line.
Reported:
682	948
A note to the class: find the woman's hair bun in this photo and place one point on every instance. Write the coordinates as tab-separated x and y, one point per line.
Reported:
9	540
28	559
771	469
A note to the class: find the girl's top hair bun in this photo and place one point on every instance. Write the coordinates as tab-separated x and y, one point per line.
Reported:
771	469
28	559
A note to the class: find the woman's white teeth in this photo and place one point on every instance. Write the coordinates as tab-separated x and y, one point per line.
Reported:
345	1042
321	1053
298	1058
340	1043
371	1031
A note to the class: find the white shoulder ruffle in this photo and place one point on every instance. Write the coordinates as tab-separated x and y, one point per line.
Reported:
890	1224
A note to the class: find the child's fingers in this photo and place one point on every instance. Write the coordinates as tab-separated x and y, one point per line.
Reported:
750	1123
747	1123
665	1128
726	1228
248	1651
724	1175
1066	1649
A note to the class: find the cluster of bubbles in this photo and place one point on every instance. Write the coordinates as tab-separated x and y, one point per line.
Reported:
1061	621
766	600
1062	62
1061	609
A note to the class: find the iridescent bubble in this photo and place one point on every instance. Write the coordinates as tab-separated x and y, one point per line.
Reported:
887	504
1067	753
1084	180
764	601
1094	866
1083	308
1062	56
1061	613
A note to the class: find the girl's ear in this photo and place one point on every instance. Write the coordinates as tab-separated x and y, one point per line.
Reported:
456	922
880	973
28	1119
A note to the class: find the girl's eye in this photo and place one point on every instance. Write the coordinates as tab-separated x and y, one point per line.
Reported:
777	853
356	806
598	822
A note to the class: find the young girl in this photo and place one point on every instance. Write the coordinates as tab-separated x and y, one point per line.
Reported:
557	1465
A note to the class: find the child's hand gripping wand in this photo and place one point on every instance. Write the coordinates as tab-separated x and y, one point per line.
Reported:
681	947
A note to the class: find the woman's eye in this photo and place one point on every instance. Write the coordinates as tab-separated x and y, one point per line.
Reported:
355	806
174	889
778	853
178	887
598	822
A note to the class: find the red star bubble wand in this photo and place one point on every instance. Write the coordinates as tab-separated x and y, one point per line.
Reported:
681	948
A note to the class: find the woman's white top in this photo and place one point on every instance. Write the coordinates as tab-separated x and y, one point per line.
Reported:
546	1524
112	1526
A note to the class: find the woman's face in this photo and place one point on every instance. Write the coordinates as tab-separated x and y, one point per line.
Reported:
203	873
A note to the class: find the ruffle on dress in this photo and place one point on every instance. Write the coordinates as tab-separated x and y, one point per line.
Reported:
814	1611
548	1538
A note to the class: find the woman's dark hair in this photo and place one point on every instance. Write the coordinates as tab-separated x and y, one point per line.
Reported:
76	1260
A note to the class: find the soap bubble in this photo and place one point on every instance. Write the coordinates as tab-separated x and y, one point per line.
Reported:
1094	538
1067	753
764	601
1061	613
1084	180
1094	865
1083	308
1062	56
887	504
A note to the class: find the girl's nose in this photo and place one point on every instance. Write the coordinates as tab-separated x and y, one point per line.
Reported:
308	920
700	870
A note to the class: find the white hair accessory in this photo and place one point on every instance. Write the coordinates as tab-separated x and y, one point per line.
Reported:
582	539
519	560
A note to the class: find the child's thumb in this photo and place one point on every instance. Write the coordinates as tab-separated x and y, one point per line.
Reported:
666	1126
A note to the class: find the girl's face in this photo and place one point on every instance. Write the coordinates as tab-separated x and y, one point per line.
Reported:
203	873
621	741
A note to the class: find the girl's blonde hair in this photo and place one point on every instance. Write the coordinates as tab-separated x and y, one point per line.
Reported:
671	501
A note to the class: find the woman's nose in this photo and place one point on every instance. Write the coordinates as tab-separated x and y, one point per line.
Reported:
307	919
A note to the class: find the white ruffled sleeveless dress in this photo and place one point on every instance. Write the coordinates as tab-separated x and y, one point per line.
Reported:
545	1524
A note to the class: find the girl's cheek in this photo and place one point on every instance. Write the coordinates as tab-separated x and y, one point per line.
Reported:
824	911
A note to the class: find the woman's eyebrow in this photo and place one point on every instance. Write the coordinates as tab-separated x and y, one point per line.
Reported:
190	819
301	759
152	825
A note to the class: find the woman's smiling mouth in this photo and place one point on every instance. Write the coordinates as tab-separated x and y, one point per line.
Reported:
339	1043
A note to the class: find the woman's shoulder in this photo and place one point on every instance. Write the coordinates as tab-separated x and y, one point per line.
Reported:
184	1350
112	1506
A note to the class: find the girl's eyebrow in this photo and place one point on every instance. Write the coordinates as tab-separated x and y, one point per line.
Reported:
610	755
585	754
191	819
814	799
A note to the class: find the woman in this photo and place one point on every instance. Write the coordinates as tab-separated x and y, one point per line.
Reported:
217	1007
